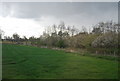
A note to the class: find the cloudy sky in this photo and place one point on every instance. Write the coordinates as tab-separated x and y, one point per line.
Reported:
31	18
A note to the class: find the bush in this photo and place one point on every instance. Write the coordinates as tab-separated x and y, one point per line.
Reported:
107	40
61	44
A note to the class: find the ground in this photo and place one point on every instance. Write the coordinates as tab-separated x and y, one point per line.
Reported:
27	62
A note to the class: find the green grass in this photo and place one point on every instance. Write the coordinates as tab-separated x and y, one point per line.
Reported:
25	62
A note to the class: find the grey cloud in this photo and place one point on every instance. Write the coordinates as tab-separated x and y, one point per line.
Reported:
47	13
61	9
77	13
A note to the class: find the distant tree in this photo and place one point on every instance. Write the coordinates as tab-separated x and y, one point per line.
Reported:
32	39
16	37
65	34
60	34
8	38
25	38
1	33
68	29
84	30
103	27
54	29
61	26
73	30
96	30
54	34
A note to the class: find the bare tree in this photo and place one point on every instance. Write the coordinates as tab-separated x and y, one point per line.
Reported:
61	26
73	30
25	39
54	28
1	33
16	37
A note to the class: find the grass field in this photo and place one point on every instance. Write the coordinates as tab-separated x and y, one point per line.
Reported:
25	62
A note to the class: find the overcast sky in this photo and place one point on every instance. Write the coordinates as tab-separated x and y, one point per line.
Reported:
30	18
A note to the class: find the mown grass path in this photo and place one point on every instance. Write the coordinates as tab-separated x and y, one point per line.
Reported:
26	62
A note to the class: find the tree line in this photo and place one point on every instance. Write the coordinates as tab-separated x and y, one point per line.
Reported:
103	39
